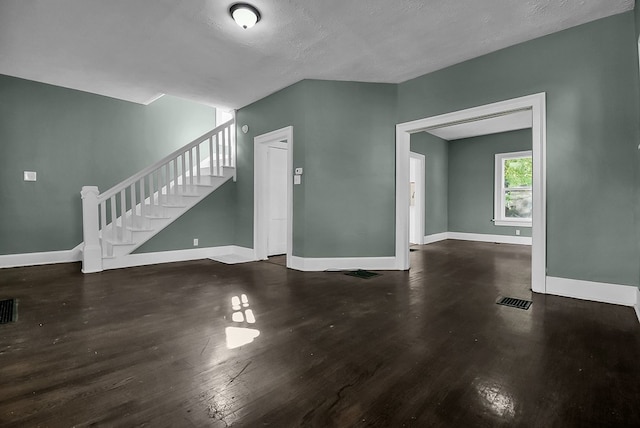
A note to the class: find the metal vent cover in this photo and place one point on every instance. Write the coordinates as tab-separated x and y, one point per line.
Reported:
514	303
364	274
8	311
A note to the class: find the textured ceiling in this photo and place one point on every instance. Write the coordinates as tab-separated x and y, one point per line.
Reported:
138	49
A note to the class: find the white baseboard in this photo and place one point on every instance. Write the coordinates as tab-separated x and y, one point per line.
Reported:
481	237
43	258
637	305
436	237
626	295
309	264
144	259
478	237
234	254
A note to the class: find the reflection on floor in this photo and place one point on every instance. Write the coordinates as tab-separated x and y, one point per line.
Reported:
425	348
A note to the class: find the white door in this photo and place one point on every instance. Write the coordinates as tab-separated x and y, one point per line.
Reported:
277	204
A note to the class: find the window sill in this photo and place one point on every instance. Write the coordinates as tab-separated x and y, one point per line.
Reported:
512	223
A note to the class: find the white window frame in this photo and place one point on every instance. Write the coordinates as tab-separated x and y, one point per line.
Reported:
498	211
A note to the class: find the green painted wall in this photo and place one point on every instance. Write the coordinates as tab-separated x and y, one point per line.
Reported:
344	140
71	139
212	221
349	144
436	151
590	76
471	181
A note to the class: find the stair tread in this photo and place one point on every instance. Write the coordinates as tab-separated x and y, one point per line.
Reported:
187	193
140	229
120	243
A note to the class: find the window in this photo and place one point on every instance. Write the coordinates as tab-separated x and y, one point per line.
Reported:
513	189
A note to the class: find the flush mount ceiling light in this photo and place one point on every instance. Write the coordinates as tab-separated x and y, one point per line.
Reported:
244	14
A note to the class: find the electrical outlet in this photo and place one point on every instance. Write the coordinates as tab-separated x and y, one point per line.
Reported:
517	232
195	242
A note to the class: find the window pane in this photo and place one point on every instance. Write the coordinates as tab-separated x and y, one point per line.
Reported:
518	172
517	203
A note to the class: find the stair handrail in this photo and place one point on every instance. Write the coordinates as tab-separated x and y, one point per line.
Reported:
151	168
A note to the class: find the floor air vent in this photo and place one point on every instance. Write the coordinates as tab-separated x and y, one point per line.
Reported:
7	311
364	274
514	303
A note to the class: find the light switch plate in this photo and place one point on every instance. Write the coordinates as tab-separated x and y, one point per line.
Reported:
297	179
30	176
298	171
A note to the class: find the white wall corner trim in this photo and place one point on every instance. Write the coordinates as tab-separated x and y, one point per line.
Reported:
43	258
309	264
637	306
436	237
481	237
616	294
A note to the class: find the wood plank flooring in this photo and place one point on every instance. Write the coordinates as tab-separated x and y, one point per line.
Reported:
426	348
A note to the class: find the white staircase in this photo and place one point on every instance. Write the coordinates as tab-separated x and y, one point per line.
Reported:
118	221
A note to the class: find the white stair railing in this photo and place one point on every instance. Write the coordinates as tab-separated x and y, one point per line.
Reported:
110	218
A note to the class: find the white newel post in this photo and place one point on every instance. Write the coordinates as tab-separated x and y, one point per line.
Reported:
91	250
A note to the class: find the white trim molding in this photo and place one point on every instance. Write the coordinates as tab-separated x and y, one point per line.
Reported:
535	103
260	189
435	237
226	254
626	295
42	258
478	237
308	264
481	237
420	196
232	252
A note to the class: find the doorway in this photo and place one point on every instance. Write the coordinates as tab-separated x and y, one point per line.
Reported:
536	104
273	198
276	207
416	198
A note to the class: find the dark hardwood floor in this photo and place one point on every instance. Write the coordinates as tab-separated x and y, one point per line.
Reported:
427	348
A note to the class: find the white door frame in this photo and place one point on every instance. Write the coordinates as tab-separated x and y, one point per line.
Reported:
261	190
537	104
420	196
